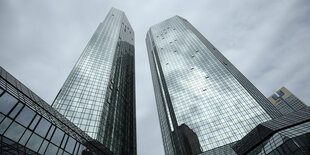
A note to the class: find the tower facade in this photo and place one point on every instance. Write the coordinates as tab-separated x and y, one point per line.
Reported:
99	93
196	86
286	102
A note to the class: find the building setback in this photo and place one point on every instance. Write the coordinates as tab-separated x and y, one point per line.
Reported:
28	125
286	102
289	134
99	93
196	86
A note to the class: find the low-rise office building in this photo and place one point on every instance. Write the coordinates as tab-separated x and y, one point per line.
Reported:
289	134
28	125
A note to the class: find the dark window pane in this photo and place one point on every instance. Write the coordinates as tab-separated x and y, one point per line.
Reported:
43	127
70	145
51	149
49	135
57	137
7	102
275	97
4	125
280	93
25	137
14	132
25	116
16	110
34	142
34	122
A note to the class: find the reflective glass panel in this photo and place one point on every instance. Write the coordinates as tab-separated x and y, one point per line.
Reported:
16	110
34	142
25	137
43	127
7	102
57	137
51	149
43	147
4	125
14	132
70	145
34	122
25	116
1	117
50	133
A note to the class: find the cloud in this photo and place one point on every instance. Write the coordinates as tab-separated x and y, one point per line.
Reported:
268	41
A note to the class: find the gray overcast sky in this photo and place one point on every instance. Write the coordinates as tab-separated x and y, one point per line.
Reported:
268	41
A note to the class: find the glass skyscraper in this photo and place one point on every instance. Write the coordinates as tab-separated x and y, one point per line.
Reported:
99	94
196	86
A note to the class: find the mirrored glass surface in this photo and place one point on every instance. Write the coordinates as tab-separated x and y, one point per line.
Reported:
25	116
14	132
57	137
34	142
42	127
7	102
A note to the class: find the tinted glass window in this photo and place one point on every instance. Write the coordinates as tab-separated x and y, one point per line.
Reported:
43	147
280	93
34	122
64	141
70	145
275	97
51	149
14	132
25	116
7	102
57	137
49	135
16	110
25	137
43	127
82	148
34	142
1	117
76	148
4	125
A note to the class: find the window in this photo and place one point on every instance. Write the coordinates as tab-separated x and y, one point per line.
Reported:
1	117
16	110
34	142
14	132
64	141
25	116
43	147
7	102
70	145
280	93
5	124
34	122
43	127
57	137
25	137
51	149
275	97
49	135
